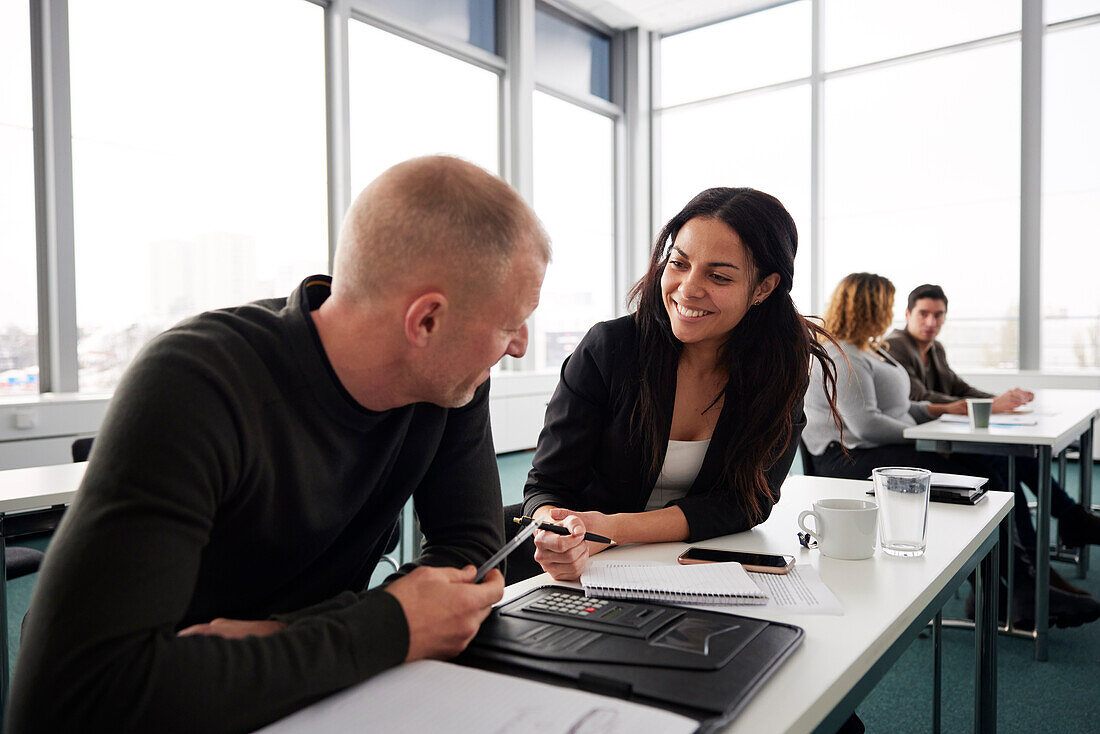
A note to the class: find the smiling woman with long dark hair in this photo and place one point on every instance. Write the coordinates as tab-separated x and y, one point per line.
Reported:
680	421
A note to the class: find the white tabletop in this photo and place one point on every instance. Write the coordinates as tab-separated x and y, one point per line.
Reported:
881	596
39	486
1060	416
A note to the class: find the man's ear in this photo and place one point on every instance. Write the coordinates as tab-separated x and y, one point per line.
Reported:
765	288
423	318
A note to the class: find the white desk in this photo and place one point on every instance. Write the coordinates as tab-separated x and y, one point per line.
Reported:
887	602
31	499
1062	417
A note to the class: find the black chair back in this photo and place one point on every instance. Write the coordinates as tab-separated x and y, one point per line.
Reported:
521	563
81	448
807	460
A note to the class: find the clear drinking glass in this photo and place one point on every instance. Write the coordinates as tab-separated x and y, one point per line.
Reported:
902	495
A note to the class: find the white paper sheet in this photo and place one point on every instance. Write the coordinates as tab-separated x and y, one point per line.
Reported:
799	591
997	419
430	696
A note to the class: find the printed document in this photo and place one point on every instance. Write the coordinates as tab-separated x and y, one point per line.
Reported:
799	591
431	696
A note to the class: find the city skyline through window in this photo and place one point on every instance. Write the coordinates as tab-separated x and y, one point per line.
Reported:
207	189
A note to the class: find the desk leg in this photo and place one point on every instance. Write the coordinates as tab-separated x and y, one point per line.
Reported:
937	669
1042	555
987	579
3	621
1084	464
1007	538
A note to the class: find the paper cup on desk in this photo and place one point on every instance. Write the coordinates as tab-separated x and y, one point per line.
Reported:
902	493
979	410
843	528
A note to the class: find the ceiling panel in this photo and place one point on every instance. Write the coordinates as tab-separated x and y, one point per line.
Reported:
666	16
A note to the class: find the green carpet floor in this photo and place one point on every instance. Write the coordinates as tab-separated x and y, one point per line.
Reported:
1062	695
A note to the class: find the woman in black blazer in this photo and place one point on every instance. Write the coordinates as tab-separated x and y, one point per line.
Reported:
680	421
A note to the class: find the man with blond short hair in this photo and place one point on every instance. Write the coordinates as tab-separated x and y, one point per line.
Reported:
210	575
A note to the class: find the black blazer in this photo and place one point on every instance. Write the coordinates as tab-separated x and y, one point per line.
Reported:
584	460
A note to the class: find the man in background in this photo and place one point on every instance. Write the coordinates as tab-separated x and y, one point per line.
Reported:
932	379
210	575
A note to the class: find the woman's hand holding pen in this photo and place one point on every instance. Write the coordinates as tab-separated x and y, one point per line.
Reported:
565	557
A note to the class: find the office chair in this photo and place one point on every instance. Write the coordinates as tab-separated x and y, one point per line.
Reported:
807	460
80	449
19	561
391	546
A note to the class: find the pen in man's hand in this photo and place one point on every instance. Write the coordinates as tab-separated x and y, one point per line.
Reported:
559	530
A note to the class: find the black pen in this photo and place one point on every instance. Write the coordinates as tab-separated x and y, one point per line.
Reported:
559	530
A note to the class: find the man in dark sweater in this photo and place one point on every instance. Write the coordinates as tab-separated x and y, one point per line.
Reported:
931	378
210	574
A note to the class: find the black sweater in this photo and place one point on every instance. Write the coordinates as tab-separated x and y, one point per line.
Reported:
235	477
585	460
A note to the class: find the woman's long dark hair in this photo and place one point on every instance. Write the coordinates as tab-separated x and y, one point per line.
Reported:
767	354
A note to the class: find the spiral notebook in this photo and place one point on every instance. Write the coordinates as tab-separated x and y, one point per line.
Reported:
703	583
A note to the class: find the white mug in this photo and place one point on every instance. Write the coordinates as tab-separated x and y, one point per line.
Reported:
845	528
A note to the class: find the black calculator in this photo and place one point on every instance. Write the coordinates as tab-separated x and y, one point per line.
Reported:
572	609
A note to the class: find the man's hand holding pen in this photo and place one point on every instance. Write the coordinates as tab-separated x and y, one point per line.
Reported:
565	557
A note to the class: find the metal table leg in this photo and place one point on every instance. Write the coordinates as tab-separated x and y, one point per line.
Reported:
1042	555
1084	464
987	581
1007	539
937	669
4	663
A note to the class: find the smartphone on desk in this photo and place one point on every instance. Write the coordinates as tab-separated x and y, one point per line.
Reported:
759	562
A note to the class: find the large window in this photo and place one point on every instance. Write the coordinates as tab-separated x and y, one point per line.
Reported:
744	53
408	100
1058	10
1071	200
921	185
570	56
863	31
761	139
198	163
467	21
574	166
18	294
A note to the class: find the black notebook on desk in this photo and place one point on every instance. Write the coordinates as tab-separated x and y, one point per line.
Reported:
956	489
702	664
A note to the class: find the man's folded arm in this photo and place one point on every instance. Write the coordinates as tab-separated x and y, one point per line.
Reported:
100	649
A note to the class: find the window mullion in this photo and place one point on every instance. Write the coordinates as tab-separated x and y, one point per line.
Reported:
53	153
338	117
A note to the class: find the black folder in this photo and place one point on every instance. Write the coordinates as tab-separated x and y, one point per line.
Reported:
698	663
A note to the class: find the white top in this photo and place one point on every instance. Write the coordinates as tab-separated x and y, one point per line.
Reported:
683	459
881	596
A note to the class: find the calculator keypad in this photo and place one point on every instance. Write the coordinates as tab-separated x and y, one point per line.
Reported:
567	605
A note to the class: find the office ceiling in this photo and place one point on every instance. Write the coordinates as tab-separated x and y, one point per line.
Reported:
666	16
